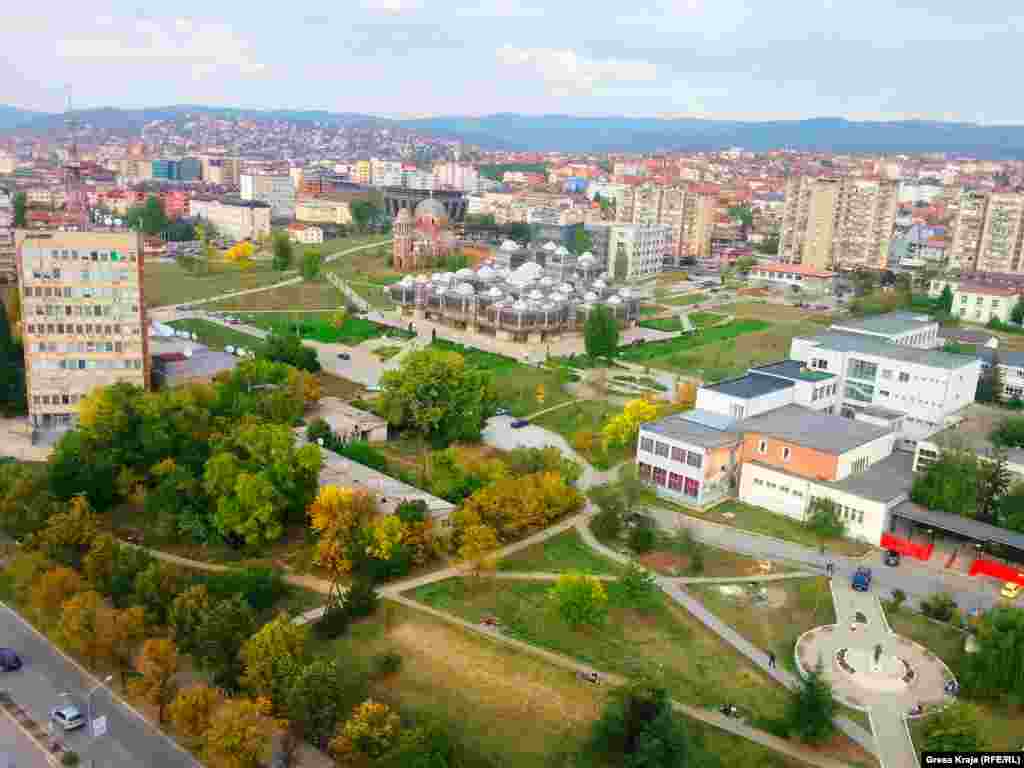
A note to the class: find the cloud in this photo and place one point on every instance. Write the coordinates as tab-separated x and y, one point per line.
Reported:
503	9
393	7
204	47
565	72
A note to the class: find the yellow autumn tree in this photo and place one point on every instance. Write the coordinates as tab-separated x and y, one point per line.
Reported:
81	626
272	657
240	734
192	710
336	515
516	505
623	429
370	733
51	590
158	666
241	254
686	394
479	542
386	534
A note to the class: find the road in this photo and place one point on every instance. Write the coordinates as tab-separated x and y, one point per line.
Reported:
17	749
917	581
130	740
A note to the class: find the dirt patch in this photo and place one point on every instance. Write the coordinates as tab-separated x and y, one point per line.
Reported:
842	748
666	563
494	678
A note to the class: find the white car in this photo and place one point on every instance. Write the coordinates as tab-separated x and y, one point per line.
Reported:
68	717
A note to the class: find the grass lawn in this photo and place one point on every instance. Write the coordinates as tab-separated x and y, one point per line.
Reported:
701	319
515	384
1001	725
759	520
307	295
644	381
672	353
561	553
587	416
368	272
670	324
215	335
336	386
386	353
167	283
664	642
649	309
674	557
318	326
686	298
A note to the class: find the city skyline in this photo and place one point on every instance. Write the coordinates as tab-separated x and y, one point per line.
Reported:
729	60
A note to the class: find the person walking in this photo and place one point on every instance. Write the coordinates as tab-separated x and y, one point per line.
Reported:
771	659
830	568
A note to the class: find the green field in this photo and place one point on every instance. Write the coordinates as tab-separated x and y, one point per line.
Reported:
586	416
368	273
319	326
166	283
669	324
215	335
559	554
686	298
671	353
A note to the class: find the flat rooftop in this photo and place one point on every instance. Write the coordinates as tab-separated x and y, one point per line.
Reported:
888	323
813	429
750	385
679	428
839	341
975	423
888	479
793	369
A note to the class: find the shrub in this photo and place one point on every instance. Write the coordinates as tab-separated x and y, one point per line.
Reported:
387	663
334	623
260	587
607	525
69	758
697	561
361	599
642	539
361	452
940	606
898	598
319	429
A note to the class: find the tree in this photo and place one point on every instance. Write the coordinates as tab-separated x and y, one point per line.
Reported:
993	482
363	213
283	252
81	626
123	631
823	519
996	668
601	332
155	589
149	217
950	483
630	486
637	730
1017	313
638	585
580	599
517	505
289	349
100	562
479	542
439	396
240	735
812	710
945	303
20	210
582	241
742	214
770	244
623	429
607	523
370	732
69	534
51	590
241	254
224	629
157	665
336	516
320	693
528	461
954	729
186	615
991	383
312	261
12	373
272	657
192	710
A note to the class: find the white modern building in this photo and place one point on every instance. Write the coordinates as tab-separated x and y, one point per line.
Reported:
907	329
385	173
277	191
306	234
637	251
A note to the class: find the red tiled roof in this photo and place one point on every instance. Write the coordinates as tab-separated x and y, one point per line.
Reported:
987	289
798	269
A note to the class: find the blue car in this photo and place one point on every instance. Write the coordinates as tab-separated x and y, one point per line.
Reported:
862	579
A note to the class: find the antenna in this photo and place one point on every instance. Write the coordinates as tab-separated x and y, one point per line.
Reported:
76	206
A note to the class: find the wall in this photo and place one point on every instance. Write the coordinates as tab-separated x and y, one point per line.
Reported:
874	452
803	461
720	402
803	394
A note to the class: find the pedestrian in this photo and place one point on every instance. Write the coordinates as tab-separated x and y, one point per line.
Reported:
771	659
830	568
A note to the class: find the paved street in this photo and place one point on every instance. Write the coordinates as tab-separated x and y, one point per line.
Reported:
17	748
37	686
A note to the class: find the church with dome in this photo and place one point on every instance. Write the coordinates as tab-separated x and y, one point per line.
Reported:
423	238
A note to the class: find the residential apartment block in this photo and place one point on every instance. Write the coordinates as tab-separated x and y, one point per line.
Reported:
636	251
690	216
1000	247
238	219
84	318
838	223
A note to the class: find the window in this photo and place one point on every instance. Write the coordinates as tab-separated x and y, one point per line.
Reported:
883	393
675	482
963	299
661	449
762	446
660	476
904	377
857	391
758	481
647	444
645	472
691	488
861	369
1015	393
678	454
736	412
887	373
860	464
820	364
786	453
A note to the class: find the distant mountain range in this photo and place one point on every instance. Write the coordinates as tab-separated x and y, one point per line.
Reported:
596	134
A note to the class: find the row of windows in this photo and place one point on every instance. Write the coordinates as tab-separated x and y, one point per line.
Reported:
819	392
772	486
56	399
73	254
665	479
980	300
87	329
75	364
690	458
762	447
77	346
81	310
80	291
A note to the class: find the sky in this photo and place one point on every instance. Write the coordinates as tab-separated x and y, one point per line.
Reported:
726	59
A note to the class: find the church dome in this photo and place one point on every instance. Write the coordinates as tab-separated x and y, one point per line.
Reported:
465	274
431	208
586	259
561	251
509	245
550	246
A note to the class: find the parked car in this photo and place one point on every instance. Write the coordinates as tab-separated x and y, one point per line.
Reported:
520	423
9	660
1011	590
344	356
892	558
68	717
862	579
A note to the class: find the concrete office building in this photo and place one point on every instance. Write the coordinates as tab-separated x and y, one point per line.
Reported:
235	218
637	251
278	191
84	318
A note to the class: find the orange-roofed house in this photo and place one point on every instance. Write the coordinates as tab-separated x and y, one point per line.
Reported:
806	279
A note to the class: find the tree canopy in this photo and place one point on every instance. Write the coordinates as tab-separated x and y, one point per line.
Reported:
149	217
12	372
601	332
283	251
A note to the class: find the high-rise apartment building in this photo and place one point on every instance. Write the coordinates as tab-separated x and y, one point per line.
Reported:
362	173
988	235
970	221
689	215
636	251
236	218
84	318
385	173
830	223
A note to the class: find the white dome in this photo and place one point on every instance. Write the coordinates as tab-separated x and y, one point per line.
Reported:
586	259
465	289
437	277
566	288
590	296
561	251
546	281
509	245
448	276
520	306
547	307
625	293
485	273
465	274
587	255
614	300
600	285
535	295
603	276
550	246
495	292
408	280
526	273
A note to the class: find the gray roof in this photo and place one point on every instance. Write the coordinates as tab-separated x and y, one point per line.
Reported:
813	429
889	323
750	385
204	363
793	369
868	345
965	526
884	481
707	418
1015	359
881	412
679	428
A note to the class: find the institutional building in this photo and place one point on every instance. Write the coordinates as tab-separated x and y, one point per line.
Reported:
807	280
278	191
637	251
84	318
235	218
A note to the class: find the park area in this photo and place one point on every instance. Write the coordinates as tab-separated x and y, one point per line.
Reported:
320	326
368	273
581	424
214	335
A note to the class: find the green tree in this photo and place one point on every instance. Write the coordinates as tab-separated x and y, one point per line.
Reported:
637	730
320	694
582	241
312	262
186	616
1017	313
149	217
283	251
950	483
272	657
601	332
580	599
12	372
770	245
945	302
812	710
743	214
438	395
996	669
954	729
638	586
20	210
823	519
223	631
364	213
607	523
993	483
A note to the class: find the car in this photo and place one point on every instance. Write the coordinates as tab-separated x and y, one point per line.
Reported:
1011	590
862	579
501	412
520	423
344	356
9	660
68	717
892	558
